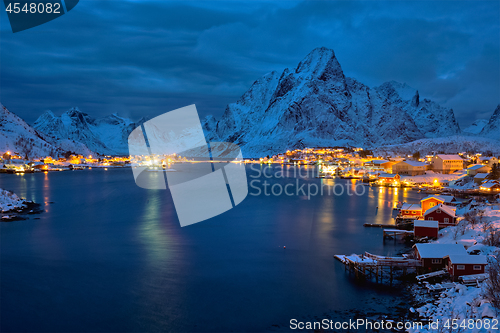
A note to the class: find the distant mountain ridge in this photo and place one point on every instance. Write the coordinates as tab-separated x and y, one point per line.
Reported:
315	104
16	136
476	127
492	128
106	135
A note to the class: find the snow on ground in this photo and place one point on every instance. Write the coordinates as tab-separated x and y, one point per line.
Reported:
461	302
10	201
455	143
431	175
467	183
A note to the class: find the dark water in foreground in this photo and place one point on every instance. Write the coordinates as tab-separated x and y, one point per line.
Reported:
109	256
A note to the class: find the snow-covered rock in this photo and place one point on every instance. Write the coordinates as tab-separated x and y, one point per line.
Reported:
107	135
451	144
476	127
17	136
315	104
10	201
492	128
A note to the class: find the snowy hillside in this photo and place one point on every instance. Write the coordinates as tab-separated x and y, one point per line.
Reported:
452	144
17	136
314	104
492	128
10	201
476	127
107	135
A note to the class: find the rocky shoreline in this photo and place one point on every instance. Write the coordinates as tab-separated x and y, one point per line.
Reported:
14	208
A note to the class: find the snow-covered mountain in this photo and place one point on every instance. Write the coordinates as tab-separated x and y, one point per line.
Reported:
451	144
315	104
492	128
17	136
107	135
476	127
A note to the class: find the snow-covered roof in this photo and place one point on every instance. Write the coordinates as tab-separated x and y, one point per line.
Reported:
486	158
414	163
477	167
481	175
387	175
432	250
407	206
489	184
426	224
468	259
446	209
449	157
443	198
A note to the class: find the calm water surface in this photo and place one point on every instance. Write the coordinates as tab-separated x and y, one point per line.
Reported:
109	256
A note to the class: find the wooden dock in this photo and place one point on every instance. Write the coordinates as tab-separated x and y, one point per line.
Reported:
393	233
371	266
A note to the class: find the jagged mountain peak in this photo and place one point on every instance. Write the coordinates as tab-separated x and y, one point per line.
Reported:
17	136
74	112
476	127
46	116
320	63
492	128
315	105
106	135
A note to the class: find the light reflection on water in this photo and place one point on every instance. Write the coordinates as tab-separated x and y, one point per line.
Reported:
114	254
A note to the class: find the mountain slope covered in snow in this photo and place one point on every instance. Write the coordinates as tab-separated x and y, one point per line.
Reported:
451	144
17	136
315	104
492	128
476	127
107	135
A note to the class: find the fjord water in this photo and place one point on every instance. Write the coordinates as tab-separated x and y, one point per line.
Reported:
107	255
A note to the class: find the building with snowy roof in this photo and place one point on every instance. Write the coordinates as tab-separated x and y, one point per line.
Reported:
447	163
445	215
464	264
411	168
432	255
478	168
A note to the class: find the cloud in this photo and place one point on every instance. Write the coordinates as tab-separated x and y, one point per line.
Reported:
146	57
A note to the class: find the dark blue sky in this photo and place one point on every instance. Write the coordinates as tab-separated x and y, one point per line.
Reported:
145	58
